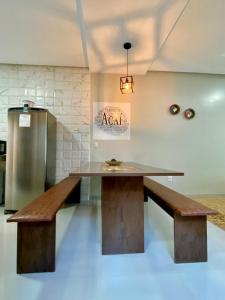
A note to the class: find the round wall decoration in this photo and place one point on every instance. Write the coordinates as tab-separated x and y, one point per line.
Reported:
174	109
189	113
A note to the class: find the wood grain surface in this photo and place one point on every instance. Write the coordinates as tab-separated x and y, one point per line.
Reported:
36	247
190	221
190	239
45	207
122	215
125	169
174	201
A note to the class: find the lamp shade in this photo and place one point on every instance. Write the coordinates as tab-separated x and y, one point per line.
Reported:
127	84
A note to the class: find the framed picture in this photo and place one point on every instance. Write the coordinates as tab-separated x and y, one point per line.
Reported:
174	109
111	121
189	113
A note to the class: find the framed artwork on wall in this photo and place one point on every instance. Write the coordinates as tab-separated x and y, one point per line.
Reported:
174	109
111	121
189	113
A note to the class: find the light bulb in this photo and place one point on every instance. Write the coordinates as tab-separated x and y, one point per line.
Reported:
127	86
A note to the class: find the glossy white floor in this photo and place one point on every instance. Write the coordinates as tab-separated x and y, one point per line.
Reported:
82	273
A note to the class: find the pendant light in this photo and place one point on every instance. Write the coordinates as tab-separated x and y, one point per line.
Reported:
127	82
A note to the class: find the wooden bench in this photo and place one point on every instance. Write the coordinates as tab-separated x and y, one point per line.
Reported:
190	221
36	231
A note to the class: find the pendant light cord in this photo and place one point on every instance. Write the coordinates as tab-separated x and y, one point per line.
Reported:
127	62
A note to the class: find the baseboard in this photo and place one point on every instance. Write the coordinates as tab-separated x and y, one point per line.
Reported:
207	196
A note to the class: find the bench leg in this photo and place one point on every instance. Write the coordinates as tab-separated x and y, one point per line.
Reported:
190	239
75	195
145	195
36	247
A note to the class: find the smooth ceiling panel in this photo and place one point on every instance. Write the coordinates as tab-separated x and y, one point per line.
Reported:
144	23
197	43
41	32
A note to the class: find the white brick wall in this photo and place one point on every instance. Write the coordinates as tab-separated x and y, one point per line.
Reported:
65	92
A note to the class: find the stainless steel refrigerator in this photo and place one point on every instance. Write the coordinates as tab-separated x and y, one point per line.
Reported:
31	155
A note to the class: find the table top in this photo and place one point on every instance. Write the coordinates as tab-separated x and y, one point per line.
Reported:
125	169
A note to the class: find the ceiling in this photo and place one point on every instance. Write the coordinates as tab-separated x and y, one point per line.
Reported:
166	35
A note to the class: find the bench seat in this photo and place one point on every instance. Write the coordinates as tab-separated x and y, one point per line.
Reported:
190	221
36	226
45	207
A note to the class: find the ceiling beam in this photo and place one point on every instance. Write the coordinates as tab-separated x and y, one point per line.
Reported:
80	17
169	33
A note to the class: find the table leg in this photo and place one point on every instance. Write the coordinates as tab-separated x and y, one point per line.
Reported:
122	214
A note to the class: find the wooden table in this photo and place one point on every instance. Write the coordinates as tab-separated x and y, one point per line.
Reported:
122	203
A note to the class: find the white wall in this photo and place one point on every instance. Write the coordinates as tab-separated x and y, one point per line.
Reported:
160	139
65	92
157	138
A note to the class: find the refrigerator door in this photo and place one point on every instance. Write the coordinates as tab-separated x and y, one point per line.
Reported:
26	157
